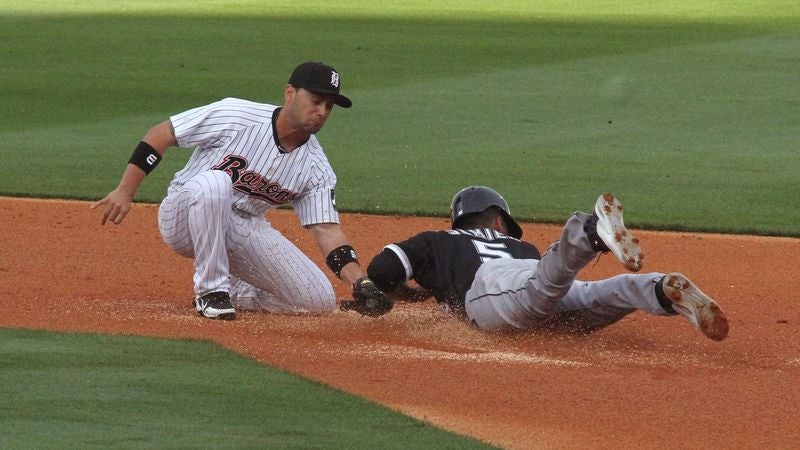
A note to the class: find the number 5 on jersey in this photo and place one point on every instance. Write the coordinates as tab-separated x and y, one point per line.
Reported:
491	250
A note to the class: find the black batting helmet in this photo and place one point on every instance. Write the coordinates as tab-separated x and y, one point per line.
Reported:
477	199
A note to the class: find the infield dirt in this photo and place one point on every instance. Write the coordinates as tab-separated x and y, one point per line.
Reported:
646	382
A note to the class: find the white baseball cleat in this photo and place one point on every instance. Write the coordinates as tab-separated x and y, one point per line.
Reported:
611	230
697	307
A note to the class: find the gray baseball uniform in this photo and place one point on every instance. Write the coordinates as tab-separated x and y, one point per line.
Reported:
524	293
499	282
496	281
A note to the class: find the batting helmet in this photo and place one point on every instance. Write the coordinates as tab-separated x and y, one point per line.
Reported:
477	199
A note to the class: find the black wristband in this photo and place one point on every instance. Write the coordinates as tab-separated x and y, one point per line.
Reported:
145	157
340	257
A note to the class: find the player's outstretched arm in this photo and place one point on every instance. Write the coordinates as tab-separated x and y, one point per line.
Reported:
389	274
341	258
148	153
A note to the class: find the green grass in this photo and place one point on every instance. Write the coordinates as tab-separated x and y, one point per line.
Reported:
66	390
730	10
688	110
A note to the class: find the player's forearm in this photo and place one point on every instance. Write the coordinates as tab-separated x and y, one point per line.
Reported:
158	138
351	272
130	181
330	237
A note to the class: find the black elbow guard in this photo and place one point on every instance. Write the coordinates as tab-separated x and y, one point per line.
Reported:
386	271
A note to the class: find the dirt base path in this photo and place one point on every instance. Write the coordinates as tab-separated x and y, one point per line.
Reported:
644	382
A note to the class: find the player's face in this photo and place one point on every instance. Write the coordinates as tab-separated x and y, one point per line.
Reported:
308	111
499	224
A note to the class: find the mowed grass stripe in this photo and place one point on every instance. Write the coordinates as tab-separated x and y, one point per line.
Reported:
70	390
718	10
647	125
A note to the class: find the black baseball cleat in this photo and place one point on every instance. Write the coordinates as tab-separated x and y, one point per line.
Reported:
215	305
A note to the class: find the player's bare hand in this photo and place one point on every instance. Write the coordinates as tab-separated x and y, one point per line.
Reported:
115	206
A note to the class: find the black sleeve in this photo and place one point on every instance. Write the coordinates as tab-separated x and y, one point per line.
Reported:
386	271
532	251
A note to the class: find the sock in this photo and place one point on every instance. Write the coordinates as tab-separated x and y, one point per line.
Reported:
663	300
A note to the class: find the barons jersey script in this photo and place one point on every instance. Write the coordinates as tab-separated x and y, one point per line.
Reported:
238	137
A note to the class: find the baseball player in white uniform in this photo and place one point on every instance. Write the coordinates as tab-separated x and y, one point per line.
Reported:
249	158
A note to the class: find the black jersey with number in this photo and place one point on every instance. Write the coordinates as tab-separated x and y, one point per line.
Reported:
445	262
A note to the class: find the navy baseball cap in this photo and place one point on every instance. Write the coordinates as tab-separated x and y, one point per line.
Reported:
320	79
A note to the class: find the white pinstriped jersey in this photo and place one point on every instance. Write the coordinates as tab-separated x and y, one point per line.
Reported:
237	136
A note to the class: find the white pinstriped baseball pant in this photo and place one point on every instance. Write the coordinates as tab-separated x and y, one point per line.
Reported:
527	293
240	253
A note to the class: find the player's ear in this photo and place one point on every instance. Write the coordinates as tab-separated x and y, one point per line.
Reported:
289	92
499	224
